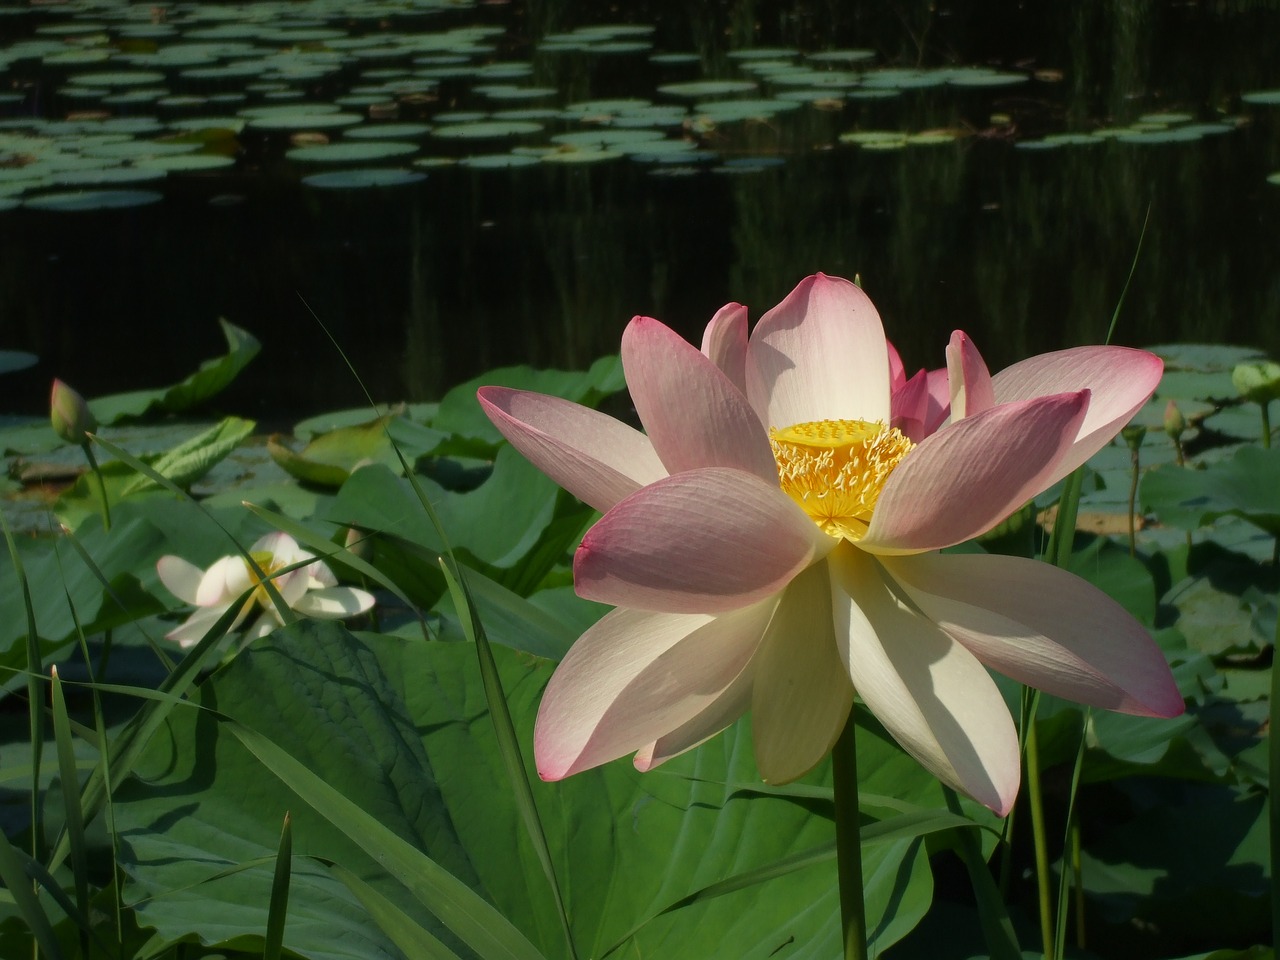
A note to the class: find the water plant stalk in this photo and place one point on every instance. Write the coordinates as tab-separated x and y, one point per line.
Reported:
102	484
853	920
1266	423
1273	764
1036	800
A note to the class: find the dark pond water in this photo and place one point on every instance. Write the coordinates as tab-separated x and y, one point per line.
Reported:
983	165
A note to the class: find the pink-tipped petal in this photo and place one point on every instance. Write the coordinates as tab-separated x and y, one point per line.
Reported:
334	603
802	693
897	369
598	459
730	704
694	415
634	676
223	582
965	479
968	378
703	541
180	577
1043	627
192	630
939	400
910	406
724	343
819	355
931	694
1119	379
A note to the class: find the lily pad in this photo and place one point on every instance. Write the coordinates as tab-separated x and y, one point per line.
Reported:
364	178
82	201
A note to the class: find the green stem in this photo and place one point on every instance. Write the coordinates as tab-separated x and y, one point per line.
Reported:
1273	758
853	921
1077	874
1133	502
1266	423
102	486
1041	845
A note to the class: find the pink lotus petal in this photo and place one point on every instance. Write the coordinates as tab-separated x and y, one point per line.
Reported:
725	708
819	355
192	630
180	577
634	676
965	479
1119	379
1043	627
598	459
694	415
931	694
703	541
724	343
802	692
334	603
223	582
968	378
897	370
280	545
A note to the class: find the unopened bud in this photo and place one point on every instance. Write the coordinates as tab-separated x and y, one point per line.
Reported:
1175	424
69	414
1258	382
1133	435
358	542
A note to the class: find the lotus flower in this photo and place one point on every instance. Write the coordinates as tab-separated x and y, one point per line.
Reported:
310	590
772	544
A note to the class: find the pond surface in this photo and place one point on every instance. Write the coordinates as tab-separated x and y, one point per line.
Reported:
450	187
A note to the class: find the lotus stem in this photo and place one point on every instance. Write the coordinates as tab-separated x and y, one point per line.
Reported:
1273	763
102	485
853	920
1133	502
1266	423
1036	800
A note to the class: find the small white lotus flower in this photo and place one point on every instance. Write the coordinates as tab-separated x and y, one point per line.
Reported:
310	590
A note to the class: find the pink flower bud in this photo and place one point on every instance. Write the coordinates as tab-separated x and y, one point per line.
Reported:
69	414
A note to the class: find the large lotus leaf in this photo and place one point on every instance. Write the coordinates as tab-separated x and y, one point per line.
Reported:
211	378
55	571
402	729
329	458
1193	889
498	523
1127	581
1246	486
460	412
1221	604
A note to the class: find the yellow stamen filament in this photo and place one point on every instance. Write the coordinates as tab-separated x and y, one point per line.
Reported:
835	469
268	564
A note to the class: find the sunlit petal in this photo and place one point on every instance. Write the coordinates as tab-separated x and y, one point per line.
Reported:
598	459
730	704
724	343
819	355
1119	379
694	416
223	582
180	578
192	630
802	692
931	694
332	603
963	480
1043	627
633	677
703	541
968	378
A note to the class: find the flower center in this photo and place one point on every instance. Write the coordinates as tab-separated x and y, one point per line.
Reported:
835	469
268	563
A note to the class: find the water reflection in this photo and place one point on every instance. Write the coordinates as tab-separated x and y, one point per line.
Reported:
429	284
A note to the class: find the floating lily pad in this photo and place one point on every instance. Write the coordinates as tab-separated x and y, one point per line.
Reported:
1268	98
707	88
728	111
360	151
387	131
187	162
572	156
305	121
487	130
606	137
14	360
985	78
86	200
841	56
499	161
106	176
120	78
361	179
1207	357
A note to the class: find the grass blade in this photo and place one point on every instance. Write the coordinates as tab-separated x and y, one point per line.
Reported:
472	918
278	908
405	932
35	694
508	743
29	907
71	801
